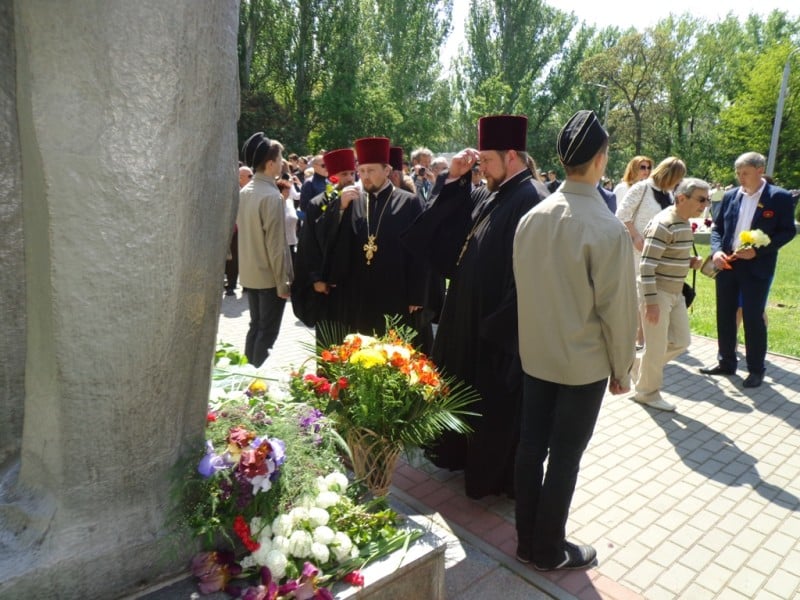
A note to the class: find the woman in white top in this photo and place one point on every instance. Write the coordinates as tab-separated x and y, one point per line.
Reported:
643	201
290	215
638	169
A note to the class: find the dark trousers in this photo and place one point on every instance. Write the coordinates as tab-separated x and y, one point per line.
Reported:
731	286
232	265
559	420
266	312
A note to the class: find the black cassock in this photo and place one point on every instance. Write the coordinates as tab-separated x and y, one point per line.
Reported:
315	247
395	278
477	336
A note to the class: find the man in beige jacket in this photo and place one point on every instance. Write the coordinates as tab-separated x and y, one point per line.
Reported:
265	265
577	315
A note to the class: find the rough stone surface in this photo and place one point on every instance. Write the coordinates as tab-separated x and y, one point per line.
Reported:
127	133
12	275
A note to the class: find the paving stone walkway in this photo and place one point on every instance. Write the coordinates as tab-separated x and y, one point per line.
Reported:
698	504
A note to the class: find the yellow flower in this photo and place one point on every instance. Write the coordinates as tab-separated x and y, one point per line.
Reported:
257	387
368	358
746	237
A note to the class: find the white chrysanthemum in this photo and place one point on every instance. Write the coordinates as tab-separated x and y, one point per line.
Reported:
299	514
327	499
760	239
322	484
248	562
262	554
318	516
320	553
300	544
391	350
281	542
276	563
341	545
282	525
337	482
260	528
366	340
354	552
323	535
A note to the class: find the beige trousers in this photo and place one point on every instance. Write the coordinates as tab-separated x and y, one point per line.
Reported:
663	341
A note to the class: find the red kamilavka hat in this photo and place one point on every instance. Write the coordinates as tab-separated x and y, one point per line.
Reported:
339	160
503	132
372	150
396	158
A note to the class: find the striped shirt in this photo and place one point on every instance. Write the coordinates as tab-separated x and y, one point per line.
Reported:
666	254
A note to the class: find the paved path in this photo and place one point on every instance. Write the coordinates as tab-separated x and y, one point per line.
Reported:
700	503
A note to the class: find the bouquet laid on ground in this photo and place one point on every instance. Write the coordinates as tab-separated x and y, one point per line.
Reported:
270	499
753	239
383	397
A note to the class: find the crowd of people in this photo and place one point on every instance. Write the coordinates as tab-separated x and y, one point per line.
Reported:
541	294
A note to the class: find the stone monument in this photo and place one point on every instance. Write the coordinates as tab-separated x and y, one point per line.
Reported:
117	198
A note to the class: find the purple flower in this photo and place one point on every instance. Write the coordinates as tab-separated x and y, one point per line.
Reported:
211	462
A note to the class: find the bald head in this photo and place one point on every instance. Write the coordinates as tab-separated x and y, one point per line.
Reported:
245	175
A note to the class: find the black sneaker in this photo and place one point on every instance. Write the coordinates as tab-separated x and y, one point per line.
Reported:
575	557
523	556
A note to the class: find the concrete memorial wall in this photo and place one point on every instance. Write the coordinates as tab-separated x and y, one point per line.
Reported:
118	183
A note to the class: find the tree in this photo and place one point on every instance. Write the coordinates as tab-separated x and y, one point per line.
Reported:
519	60
747	123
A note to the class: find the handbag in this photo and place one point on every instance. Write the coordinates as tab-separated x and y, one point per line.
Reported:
688	291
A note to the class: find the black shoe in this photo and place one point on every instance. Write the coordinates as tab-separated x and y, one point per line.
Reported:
575	557
753	380
523	556
230	293
716	370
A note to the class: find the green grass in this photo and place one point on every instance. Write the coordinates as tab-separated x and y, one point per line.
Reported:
783	305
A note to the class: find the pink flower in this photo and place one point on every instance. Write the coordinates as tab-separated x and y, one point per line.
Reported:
354	578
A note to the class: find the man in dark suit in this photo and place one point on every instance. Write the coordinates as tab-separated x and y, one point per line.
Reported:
745	274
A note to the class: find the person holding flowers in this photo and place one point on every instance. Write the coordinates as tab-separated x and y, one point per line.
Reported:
752	223
316	298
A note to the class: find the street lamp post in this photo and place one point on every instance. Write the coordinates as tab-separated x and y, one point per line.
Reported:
608	101
776	127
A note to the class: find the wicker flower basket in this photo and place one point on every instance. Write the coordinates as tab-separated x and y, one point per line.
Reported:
374	459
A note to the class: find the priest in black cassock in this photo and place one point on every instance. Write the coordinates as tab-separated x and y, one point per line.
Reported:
316	297
376	274
467	234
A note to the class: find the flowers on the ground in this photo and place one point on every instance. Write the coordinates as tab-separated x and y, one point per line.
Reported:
271	499
386	386
753	239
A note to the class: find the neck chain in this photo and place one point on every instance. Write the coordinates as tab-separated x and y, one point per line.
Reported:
370	248
484	214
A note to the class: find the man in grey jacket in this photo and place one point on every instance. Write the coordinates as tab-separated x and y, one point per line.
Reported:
577	315
265	265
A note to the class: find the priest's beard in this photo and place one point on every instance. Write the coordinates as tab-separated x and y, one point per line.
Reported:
493	183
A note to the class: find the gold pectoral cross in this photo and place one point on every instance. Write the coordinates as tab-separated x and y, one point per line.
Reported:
370	248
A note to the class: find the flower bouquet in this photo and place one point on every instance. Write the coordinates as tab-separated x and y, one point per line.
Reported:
383	397
270	500
753	239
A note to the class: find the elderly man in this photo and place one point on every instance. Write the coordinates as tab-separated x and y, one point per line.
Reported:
577	315
745	274
666	258
466	233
